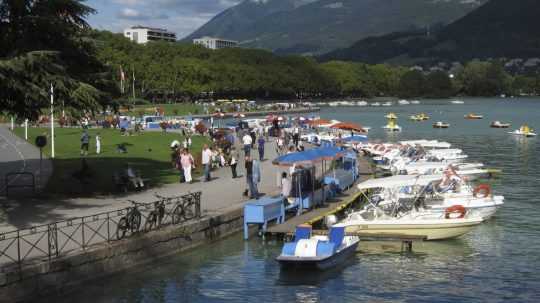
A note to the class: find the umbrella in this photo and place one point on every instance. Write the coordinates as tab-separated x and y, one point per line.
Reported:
349	126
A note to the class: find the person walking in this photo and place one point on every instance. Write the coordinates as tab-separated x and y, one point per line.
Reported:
260	144
206	162
187	162
249	177
98	144
85	141
234	162
296	136
247	141
256	177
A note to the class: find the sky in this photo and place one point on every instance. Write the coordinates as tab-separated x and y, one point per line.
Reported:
180	16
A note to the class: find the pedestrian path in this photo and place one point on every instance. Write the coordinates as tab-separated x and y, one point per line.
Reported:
221	193
17	155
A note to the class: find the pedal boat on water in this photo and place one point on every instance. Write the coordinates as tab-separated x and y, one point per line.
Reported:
317	252
524	131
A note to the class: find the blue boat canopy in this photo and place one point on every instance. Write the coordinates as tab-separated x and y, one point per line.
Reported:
309	156
356	138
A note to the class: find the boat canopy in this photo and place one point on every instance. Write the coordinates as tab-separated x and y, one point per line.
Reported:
355	138
309	156
399	181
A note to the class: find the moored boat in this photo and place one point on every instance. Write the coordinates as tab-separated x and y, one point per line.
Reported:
473	116
392	126
317	252
524	131
419	117
499	124
440	124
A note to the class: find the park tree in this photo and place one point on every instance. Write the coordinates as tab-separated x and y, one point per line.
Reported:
42	44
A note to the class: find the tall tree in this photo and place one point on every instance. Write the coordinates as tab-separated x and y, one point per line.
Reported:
43	42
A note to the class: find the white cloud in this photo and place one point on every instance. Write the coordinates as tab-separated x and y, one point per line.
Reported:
180	16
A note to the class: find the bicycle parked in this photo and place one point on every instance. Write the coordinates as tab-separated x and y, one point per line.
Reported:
131	221
186	210
155	217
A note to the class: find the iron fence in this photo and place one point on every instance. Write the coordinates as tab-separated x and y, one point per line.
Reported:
50	241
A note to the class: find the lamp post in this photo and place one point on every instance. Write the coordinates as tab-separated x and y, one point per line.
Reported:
52	121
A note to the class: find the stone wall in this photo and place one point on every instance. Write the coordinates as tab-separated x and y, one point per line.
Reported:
65	274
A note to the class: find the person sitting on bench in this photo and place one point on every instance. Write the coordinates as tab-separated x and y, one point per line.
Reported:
132	177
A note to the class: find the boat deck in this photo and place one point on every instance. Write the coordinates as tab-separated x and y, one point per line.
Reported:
333	206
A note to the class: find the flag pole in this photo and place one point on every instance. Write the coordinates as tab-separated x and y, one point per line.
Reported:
52	121
133	84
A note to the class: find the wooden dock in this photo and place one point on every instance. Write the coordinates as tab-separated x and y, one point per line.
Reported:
330	207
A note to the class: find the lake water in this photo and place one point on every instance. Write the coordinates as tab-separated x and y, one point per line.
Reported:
498	261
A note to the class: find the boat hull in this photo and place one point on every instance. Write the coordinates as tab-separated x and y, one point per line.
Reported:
318	263
431	231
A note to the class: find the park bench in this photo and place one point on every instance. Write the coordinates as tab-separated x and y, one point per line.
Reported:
123	184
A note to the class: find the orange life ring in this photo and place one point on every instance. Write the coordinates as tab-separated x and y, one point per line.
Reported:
483	189
455	209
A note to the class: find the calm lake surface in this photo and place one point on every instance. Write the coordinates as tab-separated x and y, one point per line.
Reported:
498	261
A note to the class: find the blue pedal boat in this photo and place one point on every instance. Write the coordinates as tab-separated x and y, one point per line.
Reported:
317	252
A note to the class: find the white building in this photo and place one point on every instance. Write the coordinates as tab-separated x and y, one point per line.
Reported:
215	43
142	34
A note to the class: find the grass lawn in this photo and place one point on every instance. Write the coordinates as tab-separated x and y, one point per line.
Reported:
182	109
149	153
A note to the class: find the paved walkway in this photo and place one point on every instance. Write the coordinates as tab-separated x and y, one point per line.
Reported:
17	155
220	193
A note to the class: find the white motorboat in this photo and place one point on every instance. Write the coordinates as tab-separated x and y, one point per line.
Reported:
422	225
361	103
440	124
457	102
376	104
403	102
499	124
434	194
388	103
415	102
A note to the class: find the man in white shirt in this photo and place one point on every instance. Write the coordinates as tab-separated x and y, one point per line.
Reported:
206	162
247	141
285	186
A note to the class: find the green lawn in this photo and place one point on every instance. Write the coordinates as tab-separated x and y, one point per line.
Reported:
148	153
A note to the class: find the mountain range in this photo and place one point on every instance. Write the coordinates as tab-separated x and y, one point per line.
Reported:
499	28
320	26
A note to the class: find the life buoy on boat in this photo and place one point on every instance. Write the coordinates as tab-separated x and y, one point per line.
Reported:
456	209
381	148
482	191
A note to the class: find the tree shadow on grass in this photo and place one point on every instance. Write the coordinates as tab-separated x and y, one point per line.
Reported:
70	180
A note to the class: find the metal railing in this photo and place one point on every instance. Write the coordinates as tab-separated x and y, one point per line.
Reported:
50	241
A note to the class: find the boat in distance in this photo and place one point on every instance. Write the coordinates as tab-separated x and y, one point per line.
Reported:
499	124
524	131
440	124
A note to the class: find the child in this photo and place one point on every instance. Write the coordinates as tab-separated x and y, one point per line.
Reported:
98	144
